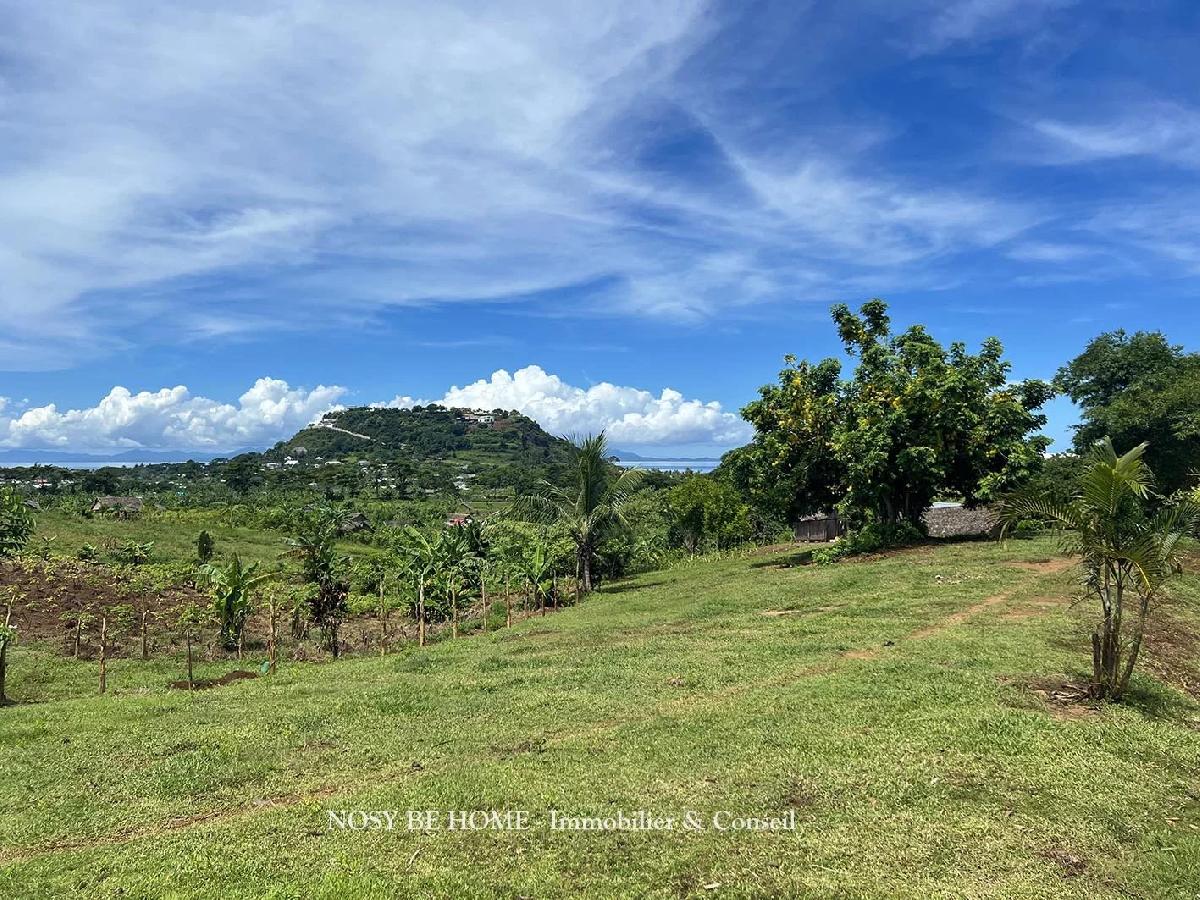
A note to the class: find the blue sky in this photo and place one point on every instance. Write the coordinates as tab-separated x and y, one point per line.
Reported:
239	218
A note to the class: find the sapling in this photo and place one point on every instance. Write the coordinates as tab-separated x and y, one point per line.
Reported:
190	619
103	653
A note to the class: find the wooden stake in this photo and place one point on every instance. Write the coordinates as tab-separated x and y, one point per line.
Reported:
4	655
421	611
271	648
103	654
145	643
507	603
191	678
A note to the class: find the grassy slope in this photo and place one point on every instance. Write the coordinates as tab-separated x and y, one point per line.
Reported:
916	769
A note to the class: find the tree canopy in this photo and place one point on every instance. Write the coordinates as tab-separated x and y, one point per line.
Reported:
1138	389
915	420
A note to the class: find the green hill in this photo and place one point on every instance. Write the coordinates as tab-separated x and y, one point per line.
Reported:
423	433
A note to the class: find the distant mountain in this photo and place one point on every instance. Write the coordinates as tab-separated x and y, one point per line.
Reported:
637	457
60	457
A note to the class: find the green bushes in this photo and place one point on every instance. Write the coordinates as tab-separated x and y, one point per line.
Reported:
871	538
16	523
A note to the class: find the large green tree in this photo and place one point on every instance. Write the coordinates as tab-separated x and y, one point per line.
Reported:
707	511
914	420
1137	389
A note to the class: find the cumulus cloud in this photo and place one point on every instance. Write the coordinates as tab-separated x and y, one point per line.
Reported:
170	418
629	415
173	419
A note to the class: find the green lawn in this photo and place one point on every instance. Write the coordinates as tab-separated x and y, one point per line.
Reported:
883	701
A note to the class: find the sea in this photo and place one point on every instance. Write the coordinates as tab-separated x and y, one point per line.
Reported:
671	465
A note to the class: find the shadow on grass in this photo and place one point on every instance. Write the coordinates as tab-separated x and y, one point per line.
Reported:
791	561
622	587
1159	702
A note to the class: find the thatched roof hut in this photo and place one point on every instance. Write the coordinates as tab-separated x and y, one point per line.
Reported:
355	522
962	522
123	507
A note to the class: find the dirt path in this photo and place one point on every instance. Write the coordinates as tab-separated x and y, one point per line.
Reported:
135	833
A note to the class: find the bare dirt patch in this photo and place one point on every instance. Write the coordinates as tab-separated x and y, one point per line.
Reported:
1064	697
961	616
1172	652
1045	566
1034	608
50	597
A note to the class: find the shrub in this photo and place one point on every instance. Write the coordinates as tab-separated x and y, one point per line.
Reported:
16	523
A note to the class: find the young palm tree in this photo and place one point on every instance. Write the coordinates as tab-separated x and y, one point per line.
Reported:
1128	552
593	502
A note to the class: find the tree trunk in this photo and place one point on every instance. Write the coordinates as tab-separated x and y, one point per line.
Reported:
554	589
421	611
507	603
483	597
383	618
587	571
78	634
103	654
453	613
1134	649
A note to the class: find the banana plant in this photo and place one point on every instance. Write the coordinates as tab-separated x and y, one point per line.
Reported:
232	586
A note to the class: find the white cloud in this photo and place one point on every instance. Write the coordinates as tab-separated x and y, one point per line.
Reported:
970	21
1166	131
171	418
629	415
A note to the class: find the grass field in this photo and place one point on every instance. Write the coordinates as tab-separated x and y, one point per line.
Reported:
887	702
172	533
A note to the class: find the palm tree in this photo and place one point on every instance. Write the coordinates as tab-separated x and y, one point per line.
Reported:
232	588
1128	551
592	504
